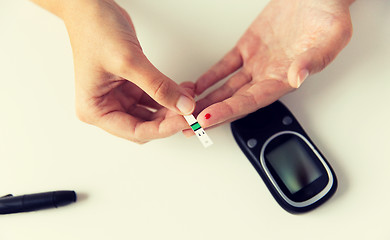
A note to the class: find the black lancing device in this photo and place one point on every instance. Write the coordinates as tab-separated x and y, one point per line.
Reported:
294	170
37	201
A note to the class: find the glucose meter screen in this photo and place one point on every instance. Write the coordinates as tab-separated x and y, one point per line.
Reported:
293	164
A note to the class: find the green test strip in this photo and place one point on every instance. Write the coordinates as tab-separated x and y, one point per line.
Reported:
195	126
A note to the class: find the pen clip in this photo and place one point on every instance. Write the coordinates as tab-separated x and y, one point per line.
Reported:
8	195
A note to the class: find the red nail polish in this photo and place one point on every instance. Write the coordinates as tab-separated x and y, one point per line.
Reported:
207	116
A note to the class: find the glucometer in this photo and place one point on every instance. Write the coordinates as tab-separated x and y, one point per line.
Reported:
294	170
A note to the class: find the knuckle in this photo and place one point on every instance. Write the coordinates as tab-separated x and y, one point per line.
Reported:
326	59
137	140
344	31
128	60
347	34
140	142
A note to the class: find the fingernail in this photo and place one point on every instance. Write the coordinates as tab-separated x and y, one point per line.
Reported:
185	105
302	75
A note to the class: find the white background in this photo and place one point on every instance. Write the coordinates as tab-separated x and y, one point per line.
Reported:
174	188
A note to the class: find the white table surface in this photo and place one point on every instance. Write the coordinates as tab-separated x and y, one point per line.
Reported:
174	188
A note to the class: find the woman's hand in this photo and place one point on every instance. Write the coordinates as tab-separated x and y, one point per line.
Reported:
117	88
286	43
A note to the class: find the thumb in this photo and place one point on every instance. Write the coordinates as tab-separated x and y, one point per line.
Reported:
309	62
162	89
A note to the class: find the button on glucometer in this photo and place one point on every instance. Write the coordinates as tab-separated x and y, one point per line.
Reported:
287	120
252	143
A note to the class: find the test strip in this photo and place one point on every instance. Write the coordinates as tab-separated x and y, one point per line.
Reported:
198	130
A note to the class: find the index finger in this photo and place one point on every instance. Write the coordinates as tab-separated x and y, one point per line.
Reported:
246	100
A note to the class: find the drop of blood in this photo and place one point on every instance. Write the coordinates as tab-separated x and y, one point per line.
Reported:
207	116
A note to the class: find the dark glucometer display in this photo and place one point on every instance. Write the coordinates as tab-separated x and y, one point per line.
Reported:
293	164
294	170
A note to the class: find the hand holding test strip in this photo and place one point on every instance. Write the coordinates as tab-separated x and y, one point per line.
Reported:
199	131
